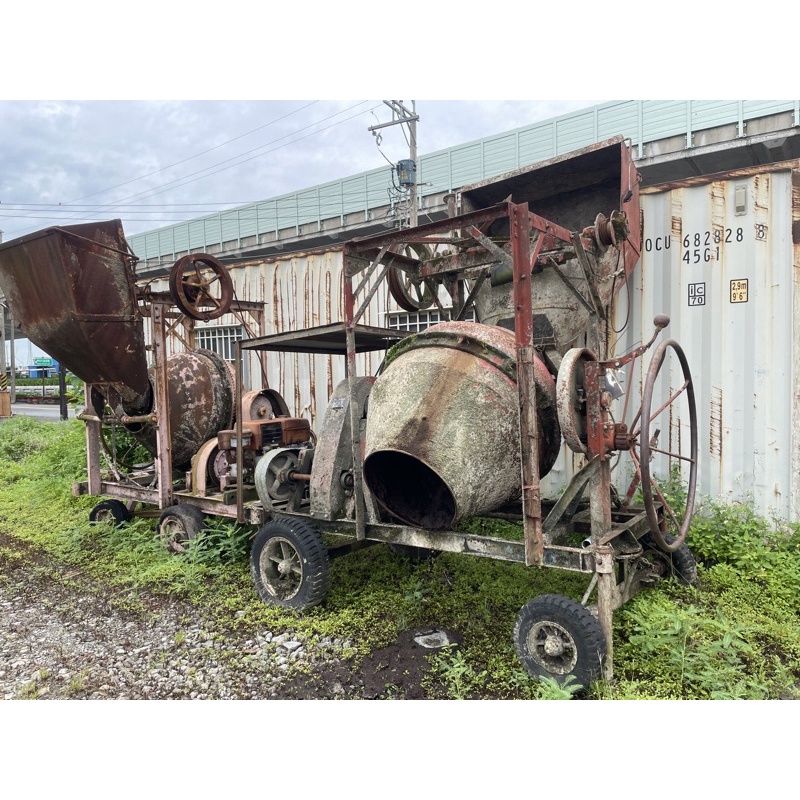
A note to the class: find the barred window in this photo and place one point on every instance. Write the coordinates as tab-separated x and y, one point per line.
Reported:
420	320
220	340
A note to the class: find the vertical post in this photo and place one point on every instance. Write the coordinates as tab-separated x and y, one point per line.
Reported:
92	446
12	359
526	384
62	391
163	437
239	449
412	128
355	422
3	370
600	516
600	511
3	377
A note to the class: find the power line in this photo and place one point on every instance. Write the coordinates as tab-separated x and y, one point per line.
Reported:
196	155
167	186
176	182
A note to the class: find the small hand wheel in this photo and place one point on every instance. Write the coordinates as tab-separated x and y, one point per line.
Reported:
201	287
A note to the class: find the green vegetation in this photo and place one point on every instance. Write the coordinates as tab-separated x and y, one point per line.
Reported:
37	381
735	635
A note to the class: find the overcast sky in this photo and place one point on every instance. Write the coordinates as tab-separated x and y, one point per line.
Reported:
152	163
151	159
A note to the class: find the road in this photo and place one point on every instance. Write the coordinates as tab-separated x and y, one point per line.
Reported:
44	411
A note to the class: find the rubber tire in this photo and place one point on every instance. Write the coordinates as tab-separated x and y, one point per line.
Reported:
681	564
583	629
190	518
311	554
114	512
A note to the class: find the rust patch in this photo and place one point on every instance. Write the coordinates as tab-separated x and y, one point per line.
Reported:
73	294
715	423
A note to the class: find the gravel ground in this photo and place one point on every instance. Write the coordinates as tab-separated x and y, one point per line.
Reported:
61	637
61	642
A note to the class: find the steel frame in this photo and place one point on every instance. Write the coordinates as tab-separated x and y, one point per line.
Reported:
530	236
523	258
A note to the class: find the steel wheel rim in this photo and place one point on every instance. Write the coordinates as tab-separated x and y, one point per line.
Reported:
552	647
281	568
643	461
174	533
191	290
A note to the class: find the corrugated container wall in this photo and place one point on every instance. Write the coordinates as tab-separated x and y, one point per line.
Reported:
299	291
718	258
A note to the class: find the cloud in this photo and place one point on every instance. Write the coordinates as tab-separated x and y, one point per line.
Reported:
153	163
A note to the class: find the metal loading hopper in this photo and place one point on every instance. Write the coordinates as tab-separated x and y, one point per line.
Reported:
595	185
72	291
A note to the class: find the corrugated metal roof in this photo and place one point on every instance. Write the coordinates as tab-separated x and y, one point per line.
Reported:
641	121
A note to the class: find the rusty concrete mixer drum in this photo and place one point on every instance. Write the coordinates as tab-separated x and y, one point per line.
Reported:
442	435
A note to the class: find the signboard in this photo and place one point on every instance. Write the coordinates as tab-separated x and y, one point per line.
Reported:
739	290
43	362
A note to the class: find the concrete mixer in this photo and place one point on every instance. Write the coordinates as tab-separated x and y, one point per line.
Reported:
462	419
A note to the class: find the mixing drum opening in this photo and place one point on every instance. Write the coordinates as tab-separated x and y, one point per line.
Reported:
410	490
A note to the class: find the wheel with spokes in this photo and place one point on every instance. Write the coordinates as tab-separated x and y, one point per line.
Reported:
179	525
644	446
290	564
556	637
200	286
410	292
680	564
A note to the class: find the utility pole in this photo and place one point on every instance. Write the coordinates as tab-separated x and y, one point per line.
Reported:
409	117
13	386
3	376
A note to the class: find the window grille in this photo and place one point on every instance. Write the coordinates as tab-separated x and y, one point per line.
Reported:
419	320
220	340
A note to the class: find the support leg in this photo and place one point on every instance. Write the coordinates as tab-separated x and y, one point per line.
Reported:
600	512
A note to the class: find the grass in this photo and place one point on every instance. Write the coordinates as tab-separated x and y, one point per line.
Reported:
735	635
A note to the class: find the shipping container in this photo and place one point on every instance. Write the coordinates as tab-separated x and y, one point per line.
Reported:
718	257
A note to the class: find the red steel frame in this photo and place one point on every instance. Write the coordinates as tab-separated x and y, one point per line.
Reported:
524	255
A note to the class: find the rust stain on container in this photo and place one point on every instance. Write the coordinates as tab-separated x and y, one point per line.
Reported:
761	191
715	423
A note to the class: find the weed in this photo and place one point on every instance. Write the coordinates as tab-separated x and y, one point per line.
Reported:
551	689
220	542
29	691
76	683
458	676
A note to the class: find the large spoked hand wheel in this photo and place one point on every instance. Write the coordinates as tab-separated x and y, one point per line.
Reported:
644	446
410	293
200	286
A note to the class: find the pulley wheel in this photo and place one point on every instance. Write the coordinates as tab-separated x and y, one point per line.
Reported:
412	293
273	477
571	398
